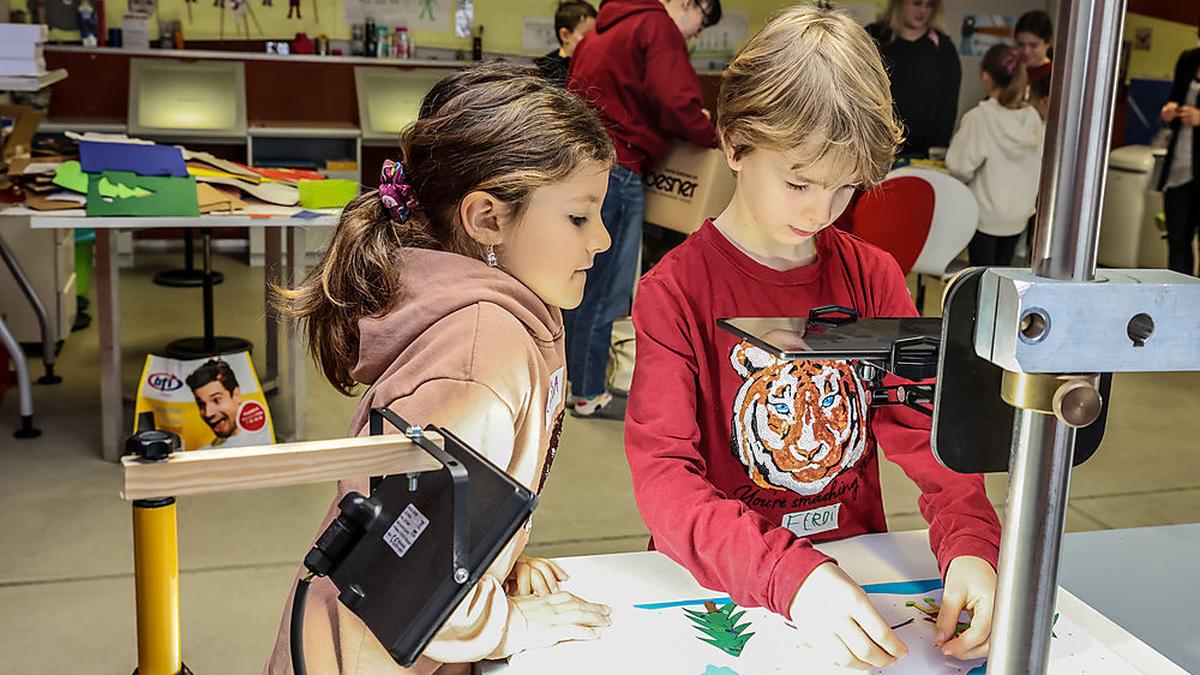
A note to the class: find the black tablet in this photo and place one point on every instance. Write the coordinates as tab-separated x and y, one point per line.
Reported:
402	578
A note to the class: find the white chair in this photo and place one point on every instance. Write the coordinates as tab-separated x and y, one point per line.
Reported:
955	217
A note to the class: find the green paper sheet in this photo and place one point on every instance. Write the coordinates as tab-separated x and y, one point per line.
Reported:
70	175
326	194
119	193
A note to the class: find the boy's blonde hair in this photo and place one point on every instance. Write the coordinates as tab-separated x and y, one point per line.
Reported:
811	83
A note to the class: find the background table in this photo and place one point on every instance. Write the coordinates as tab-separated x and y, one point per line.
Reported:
113	421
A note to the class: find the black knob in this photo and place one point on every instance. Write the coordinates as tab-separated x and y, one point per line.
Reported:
153	444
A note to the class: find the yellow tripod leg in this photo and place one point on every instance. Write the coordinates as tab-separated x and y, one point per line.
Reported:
156	574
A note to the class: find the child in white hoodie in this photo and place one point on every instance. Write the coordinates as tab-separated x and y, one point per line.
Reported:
997	152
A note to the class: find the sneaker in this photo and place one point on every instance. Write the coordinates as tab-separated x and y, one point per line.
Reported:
603	407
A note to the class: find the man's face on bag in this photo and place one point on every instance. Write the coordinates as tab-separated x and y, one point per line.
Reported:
218	406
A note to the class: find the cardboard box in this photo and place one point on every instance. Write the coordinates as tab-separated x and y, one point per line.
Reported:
691	184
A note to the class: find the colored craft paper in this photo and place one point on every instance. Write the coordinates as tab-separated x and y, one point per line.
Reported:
120	193
272	193
326	194
200	170
220	164
144	160
71	176
288	175
120	190
212	199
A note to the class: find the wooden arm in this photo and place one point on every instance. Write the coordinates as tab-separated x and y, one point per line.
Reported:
263	466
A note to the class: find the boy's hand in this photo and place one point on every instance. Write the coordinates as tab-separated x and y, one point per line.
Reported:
970	587
534	576
835	616
1169	112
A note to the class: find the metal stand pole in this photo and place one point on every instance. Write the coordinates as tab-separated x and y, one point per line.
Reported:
156	565
156	578
48	351
1034	519
24	390
1077	139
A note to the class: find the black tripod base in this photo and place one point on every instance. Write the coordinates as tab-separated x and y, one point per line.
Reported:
192	348
49	377
27	429
185	278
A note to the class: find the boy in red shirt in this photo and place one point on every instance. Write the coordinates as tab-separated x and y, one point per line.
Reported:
740	461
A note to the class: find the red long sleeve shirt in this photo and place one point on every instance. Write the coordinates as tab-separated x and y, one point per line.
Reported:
740	461
634	68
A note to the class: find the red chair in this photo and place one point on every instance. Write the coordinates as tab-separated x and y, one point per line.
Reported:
896	216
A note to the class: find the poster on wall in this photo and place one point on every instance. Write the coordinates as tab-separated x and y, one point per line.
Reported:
537	35
432	15
981	31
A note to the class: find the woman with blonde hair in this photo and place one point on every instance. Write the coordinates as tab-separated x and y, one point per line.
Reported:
925	72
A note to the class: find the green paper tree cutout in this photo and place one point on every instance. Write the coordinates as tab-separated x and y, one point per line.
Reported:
117	190
721	628
931	609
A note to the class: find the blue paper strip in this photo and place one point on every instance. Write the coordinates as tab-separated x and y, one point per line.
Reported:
904	587
890	588
144	160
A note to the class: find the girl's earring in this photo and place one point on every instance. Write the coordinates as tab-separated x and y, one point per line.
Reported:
491	256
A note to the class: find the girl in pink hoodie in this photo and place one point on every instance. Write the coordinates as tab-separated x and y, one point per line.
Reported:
442	293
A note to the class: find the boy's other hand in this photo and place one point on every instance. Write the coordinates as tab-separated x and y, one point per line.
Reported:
560	617
534	576
970	587
835	616
1170	111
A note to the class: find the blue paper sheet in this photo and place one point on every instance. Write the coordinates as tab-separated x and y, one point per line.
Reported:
144	160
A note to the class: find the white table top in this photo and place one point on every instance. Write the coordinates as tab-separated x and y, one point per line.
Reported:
869	559
1157	607
266	216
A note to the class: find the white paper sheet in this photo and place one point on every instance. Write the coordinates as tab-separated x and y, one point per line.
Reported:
661	636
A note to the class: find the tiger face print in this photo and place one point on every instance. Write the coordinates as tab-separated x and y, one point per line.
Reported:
796	424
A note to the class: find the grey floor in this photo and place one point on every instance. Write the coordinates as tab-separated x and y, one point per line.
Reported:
66	584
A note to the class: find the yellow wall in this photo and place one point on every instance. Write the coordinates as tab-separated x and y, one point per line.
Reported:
1167	41
502	20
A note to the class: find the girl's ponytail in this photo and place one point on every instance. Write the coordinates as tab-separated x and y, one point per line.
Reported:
1003	64
497	128
356	278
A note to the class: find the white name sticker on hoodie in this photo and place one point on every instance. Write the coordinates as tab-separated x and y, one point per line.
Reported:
554	395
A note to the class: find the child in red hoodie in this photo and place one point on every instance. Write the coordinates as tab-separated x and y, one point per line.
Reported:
634	68
741	461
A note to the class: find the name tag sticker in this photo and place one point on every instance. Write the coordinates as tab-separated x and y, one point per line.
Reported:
554	396
807	523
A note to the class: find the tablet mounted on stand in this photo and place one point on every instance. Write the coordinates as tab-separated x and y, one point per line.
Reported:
404	558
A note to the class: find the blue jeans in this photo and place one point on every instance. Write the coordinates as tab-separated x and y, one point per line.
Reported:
609	289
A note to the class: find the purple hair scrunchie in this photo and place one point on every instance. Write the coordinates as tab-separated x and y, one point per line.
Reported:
396	193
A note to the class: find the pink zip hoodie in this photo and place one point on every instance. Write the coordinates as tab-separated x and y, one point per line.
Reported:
469	348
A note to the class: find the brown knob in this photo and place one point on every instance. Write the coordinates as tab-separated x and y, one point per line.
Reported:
1077	402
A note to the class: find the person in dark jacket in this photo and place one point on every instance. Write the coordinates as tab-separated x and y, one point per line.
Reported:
573	20
1180	181
635	69
925	72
